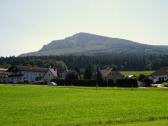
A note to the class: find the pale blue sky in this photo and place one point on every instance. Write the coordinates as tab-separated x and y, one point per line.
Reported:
26	25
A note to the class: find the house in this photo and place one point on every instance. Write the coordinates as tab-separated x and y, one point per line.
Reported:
160	75
111	74
28	74
3	74
51	74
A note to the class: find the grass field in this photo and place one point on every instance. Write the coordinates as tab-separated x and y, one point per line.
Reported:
22	105
136	73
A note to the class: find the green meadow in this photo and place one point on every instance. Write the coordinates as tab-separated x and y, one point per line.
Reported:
137	73
26	105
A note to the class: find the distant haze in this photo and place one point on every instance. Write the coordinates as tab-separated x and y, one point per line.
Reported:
26	25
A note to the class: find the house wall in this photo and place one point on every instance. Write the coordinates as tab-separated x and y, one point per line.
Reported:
160	78
31	76
14	80
48	76
26	76
141	84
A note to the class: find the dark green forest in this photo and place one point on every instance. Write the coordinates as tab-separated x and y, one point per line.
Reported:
122	62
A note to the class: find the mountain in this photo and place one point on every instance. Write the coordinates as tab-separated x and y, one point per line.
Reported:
91	44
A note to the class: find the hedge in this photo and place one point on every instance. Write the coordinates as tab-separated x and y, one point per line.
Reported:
93	83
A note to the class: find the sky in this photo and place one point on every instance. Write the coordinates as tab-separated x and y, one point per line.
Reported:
26	25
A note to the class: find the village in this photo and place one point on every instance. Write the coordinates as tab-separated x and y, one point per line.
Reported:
84	63
100	77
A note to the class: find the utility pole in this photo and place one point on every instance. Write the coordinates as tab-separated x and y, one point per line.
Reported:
98	72
107	82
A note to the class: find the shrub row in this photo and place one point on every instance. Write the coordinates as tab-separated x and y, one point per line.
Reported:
93	83
127	83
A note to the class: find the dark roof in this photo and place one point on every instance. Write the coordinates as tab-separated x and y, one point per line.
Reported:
161	71
28	68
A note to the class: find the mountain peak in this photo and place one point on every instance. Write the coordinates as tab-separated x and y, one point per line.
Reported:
84	43
85	37
81	34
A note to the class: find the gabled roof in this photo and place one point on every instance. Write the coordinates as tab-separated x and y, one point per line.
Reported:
108	71
105	72
161	71
53	72
28	69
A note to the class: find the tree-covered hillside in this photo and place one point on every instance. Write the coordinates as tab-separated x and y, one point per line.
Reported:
123	62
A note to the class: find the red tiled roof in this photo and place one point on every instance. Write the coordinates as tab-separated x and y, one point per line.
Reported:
3	70
29	68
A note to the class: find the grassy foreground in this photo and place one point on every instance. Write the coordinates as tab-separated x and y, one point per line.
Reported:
51	106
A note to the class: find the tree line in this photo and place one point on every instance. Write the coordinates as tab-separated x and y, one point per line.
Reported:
121	61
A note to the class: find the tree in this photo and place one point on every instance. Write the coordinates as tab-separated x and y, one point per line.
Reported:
60	64
99	76
78	71
88	72
114	67
72	75
141	77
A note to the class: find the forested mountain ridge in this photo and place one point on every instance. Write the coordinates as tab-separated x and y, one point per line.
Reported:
90	45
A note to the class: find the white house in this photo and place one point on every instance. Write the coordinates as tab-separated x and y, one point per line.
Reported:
20	74
160	75
51	74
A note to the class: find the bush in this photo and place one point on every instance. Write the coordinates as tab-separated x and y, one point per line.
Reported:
41	82
72	75
148	82
145	79
87	83
165	84
127	83
26	82
142	77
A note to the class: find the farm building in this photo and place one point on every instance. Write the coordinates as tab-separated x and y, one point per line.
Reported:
20	74
111	74
160	75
